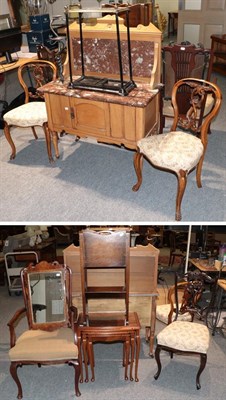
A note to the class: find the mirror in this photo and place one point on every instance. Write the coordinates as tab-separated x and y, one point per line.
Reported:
47	293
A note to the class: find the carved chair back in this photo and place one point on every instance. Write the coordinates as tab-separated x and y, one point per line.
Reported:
34	74
183	61
189	100
186	293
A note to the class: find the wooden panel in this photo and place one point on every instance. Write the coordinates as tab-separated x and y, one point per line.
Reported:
59	113
143	270
117	121
90	116
211	19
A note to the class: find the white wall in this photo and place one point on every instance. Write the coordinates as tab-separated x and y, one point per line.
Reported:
4	9
167	5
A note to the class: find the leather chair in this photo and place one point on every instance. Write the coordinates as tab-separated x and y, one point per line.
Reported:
181	151
181	336
51	337
33	112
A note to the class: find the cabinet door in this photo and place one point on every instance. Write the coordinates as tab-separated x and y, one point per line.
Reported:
60	115
90	117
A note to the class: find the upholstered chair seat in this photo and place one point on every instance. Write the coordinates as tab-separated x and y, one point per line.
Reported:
33	113
185	336
42	345
165	150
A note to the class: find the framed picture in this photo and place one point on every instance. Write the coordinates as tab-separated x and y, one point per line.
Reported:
5	22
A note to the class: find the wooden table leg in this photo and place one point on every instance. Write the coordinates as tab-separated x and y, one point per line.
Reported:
152	327
137	355
132	345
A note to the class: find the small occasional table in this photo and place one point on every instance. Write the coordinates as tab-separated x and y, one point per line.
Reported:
101	329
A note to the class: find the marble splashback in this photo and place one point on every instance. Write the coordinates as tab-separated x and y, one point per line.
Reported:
107	62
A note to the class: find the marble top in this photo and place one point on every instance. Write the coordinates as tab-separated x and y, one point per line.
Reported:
138	97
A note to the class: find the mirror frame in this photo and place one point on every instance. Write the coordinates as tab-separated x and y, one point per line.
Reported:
41	268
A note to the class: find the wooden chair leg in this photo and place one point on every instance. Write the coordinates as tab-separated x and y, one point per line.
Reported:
203	359
48	141
138	165
157	358
76	366
10	140
13	371
34	132
199	171
182	182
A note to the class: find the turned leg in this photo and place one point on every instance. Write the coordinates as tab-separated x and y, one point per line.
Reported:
138	164
157	358
48	141
182	182
203	359
76	366
10	141
55	140
13	371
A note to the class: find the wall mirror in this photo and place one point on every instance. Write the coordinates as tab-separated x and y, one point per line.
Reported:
47	296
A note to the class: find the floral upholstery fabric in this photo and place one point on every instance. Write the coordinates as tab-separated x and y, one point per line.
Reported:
29	114
185	336
38	345
174	150
162	312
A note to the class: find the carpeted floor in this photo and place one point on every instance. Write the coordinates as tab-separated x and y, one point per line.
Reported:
92	182
176	382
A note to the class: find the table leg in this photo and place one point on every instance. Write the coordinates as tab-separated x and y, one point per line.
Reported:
137	355
132	345
152	328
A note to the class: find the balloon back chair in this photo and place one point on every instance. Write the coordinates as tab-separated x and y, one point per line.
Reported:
51	337
182	335
32	75
183	148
